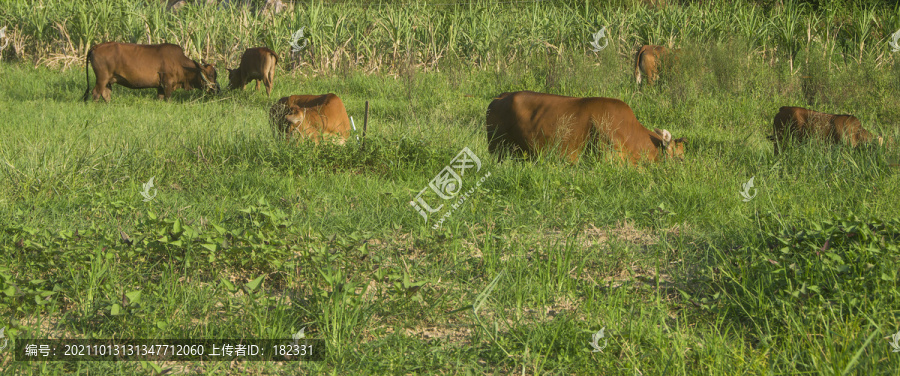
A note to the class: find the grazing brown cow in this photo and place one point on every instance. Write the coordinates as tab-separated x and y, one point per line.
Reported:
311	116
140	66
532	122
256	64
800	124
648	60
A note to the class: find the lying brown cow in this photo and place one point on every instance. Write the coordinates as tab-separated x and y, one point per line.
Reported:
800	124
648	60
256	64
139	66
532	122
311	116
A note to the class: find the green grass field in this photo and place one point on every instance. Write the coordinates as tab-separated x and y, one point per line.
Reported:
251	237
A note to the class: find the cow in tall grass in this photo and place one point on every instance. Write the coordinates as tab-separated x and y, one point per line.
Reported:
649	59
311	116
531	122
256	64
798	124
140	66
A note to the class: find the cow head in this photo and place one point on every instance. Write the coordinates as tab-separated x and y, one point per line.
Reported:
673	148
234	79
207	73
295	115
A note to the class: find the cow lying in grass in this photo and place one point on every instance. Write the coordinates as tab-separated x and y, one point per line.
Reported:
312	117
532	122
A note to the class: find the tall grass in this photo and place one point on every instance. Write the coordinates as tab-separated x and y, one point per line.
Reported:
383	36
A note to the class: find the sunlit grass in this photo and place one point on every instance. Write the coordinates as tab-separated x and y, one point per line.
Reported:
685	276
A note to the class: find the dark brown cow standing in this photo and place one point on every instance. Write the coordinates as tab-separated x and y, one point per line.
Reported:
532	122
800	124
140	66
256	64
311	116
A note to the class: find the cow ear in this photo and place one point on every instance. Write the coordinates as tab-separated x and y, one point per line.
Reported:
681	140
664	134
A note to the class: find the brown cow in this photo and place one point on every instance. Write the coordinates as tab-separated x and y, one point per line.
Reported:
256	64
532	122
800	124
311	116
139	66
648	60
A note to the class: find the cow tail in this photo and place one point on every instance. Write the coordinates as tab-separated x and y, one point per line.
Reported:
637	65
87	74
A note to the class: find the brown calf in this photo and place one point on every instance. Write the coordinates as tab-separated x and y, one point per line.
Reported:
256	64
311	116
648	60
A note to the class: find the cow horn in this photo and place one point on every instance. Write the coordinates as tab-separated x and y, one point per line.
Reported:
206	80
664	135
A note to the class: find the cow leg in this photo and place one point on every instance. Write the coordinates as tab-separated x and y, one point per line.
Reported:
102	88
167	89
314	134
268	80
257	85
164	91
106	91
